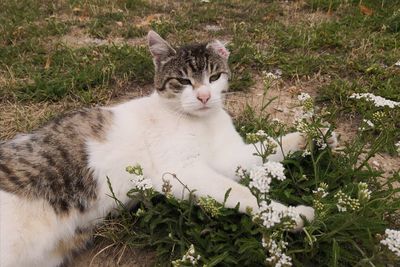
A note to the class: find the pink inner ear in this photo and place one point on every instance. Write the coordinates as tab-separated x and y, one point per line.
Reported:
223	52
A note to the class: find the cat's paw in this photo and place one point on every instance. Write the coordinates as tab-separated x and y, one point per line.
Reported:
303	211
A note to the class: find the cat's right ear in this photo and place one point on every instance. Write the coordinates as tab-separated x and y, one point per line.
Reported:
159	48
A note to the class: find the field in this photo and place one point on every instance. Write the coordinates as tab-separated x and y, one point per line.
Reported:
57	56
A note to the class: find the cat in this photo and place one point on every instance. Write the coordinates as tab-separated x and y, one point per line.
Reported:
53	181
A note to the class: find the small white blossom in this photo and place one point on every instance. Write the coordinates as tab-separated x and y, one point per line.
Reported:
261	134
303	97
321	190
261	176
270	217
275	169
345	202
141	183
277	257
377	100
397	145
397	63
275	75
259	179
306	153
392	241
364	194
190	257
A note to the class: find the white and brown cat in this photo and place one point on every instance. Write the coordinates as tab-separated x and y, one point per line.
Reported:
53	186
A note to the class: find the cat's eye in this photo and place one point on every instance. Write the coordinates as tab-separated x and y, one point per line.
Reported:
184	81
215	77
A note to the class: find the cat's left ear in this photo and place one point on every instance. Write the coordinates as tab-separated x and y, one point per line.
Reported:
159	48
219	48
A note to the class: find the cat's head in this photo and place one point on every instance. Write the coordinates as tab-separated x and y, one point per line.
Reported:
193	78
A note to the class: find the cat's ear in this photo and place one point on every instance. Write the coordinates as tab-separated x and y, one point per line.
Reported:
219	48
159	48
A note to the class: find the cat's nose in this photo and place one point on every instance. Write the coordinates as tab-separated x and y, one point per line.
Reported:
203	97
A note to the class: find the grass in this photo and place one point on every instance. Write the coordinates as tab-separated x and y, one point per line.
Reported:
58	55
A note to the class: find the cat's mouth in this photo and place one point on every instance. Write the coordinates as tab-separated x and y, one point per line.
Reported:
204	108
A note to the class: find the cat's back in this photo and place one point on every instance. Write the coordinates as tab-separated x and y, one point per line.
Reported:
51	162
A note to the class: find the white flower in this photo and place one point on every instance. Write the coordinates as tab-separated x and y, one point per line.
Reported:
275	75
397	63
261	134
306	153
320	192
141	183
392	241
397	145
277	257
364	194
270	217
377	100
275	169
261	176
303	97
259	179
341	208
190	257
345	202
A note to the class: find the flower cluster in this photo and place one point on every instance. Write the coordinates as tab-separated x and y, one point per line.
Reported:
378	101
270	217
261	176
307	103
259	179
139	181
345	202
210	206
277	258
274	75
321	191
397	145
190	257
303	119
364	194
392	241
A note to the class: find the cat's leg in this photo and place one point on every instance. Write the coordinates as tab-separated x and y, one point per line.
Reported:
207	182
297	141
28	231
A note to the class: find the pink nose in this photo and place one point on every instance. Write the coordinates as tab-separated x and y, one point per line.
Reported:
203	97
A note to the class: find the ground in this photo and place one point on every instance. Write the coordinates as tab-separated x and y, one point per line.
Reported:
57	56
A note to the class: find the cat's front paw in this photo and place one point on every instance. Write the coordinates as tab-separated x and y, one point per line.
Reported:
303	211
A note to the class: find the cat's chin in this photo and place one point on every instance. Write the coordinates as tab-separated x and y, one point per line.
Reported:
202	112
